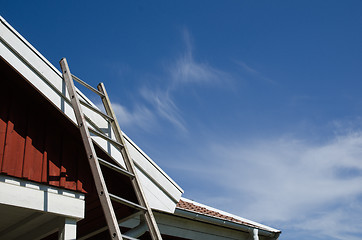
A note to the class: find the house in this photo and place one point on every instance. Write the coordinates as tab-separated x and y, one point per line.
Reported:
46	187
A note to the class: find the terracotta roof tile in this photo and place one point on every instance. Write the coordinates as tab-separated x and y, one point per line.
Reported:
182	204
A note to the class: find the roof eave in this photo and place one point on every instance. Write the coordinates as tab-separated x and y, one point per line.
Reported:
225	223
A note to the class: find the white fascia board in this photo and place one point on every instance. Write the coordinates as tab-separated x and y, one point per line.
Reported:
151	162
178	226
157	197
48	80
33	67
258	225
22	39
35	196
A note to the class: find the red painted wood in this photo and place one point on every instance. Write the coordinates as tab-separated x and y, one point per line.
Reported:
44	170
15	140
3	124
69	164
53	146
34	147
40	144
37	142
82	173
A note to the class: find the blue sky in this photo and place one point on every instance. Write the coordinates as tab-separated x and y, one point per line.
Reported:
253	107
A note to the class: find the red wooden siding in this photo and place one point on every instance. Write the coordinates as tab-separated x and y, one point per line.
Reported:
37	142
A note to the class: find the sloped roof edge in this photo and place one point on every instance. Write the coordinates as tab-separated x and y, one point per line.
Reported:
46	78
199	208
29	46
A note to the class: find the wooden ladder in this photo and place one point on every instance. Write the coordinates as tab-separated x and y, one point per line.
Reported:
105	197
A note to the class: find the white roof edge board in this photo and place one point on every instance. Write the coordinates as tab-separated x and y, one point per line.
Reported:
48	80
152	162
30	46
41	56
231	215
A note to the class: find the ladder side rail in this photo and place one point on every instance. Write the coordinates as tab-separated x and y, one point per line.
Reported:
111	141
91	155
150	219
99	230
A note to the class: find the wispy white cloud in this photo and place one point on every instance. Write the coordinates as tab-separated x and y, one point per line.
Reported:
247	68
158	102
164	106
253	72
335	223
186	69
312	187
181	72
139	117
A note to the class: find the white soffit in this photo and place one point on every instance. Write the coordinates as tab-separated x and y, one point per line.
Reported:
35	196
48	80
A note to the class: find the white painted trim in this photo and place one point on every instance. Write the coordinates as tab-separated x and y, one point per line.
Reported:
177	226
25	194
67	229
29	46
152	162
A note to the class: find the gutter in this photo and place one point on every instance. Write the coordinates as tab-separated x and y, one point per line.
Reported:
139	230
253	231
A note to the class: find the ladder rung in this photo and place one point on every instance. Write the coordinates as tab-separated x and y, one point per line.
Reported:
99	181
87	126
96	110
114	167
128	237
105	137
87	85
126	202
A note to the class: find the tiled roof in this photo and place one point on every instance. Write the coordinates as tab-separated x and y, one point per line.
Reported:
191	206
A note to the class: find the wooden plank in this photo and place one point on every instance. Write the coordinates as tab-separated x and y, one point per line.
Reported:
15	140
44	170
34	146
4	114
53	153
69	166
81	169
42	132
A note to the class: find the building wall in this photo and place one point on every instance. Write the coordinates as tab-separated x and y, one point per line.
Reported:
37	142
